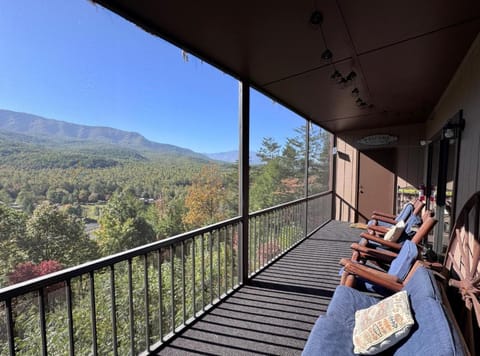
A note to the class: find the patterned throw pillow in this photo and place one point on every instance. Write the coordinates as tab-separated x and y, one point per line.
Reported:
394	233
382	325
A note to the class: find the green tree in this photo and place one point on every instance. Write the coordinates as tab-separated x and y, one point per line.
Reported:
26	199
265	184
12	230
268	150
53	234
123	225
166	217
319	160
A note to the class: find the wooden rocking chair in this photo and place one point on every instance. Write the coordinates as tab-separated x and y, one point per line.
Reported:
462	270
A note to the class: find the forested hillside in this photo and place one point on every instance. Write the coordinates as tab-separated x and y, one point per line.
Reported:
52	185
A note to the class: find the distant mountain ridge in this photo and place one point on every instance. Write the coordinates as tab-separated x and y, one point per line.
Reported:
42	128
232	157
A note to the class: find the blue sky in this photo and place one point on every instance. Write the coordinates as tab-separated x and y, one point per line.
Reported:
77	62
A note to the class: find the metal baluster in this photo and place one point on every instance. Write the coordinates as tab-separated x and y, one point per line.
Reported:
276	233
43	326
71	342
262	237
184	310
219	233
130	308
114	309
194	279
93	312
280	231
233	256
284	228
251	247
160	294
254	247
258	224
225	242
172	286
202	246
269	238
210	247
280	228
10	327
146	301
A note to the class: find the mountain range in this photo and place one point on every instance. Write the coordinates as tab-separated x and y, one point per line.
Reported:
232	157
29	134
35	129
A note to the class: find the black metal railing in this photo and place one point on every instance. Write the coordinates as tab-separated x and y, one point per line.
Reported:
134	301
275	230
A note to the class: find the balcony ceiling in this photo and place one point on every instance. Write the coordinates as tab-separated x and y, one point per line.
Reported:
404	52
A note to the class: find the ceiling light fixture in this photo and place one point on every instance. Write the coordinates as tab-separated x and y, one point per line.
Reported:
327	55
316	21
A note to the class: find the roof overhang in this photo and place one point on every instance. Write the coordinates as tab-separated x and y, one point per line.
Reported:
404	52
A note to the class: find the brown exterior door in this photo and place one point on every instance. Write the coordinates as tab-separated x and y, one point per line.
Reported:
376	182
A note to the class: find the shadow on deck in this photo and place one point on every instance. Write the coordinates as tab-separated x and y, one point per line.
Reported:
275	313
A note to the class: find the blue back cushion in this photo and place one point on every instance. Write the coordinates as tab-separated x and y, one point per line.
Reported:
405	213
408	232
412	221
422	285
401	264
346	301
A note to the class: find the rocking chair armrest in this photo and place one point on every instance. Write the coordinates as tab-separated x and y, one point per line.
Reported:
379	229
376	277
386	215
386	243
373	253
436	266
384	219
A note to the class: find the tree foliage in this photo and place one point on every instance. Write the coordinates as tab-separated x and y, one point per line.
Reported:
53	234
122	224
205	198
29	270
12	231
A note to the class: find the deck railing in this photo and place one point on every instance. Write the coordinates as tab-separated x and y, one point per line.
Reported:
134	301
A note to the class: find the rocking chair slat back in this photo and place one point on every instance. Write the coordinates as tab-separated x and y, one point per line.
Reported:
463	268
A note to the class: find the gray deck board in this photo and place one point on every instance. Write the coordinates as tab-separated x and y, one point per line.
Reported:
275	313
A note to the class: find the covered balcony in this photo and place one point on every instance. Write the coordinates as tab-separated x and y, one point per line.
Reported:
396	85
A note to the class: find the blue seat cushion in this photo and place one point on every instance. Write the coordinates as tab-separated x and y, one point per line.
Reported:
431	324
329	336
427	305
432	333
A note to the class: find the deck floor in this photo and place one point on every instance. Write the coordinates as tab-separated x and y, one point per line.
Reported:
275	313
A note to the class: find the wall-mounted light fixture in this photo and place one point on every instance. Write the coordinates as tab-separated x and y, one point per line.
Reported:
453	127
452	130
